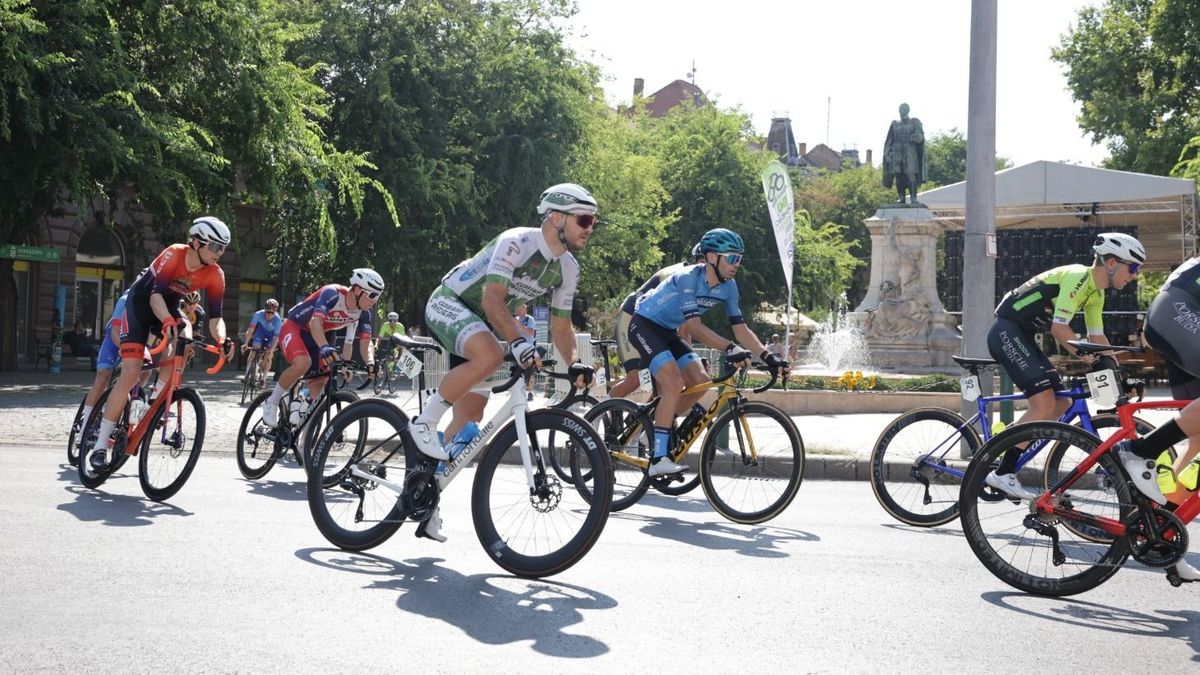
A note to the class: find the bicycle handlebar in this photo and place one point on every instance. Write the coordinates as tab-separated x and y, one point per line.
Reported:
195	342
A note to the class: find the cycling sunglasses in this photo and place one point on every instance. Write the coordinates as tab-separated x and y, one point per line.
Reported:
585	220
1134	268
733	258
373	294
215	248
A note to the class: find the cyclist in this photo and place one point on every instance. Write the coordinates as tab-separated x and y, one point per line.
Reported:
474	305
630	360
678	301
388	332
305	346
1050	300
1171	326
153	305
107	358
263	333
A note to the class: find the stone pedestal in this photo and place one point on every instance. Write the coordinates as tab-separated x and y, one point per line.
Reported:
902	317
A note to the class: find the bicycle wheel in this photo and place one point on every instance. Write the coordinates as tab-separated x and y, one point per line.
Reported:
381	376
617	422
393	379
258	445
340	448
1033	551
76	435
909	460
560	459
171	445
357	513
93	476
753	462
543	530
680	485
250	378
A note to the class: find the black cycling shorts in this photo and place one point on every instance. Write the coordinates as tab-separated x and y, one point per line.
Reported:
1014	349
1173	330
141	323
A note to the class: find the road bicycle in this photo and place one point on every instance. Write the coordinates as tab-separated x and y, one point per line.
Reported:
260	446
1089	519
255	377
579	400
750	464
919	460
167	437
530	522
75	439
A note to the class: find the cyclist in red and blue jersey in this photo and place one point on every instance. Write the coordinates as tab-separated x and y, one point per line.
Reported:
677	302
263	332
330	308
1049	301
153	305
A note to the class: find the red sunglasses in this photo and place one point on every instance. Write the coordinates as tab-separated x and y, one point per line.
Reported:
584	220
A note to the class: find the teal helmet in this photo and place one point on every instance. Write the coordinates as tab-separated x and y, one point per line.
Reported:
721	240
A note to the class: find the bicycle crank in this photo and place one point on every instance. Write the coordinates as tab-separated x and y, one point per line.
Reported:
1160	542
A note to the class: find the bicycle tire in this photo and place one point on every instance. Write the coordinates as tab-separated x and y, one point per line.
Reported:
617	418
560	459
919	441
393	378
776	475
93	477
254	459
167	455
76	429
1001	533
336	509
551	511
250	378
381	376
338	453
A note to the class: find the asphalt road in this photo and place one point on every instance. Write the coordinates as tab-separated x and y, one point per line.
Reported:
233	576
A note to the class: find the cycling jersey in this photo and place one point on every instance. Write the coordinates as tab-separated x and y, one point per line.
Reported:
265	329
169	276
1056	295
389	329
630	302
329	303
520	260
1186	277
686	294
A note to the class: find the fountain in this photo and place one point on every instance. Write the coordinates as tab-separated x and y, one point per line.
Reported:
837	346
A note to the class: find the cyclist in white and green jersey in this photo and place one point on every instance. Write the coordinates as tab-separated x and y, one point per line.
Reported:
1049	301
475	303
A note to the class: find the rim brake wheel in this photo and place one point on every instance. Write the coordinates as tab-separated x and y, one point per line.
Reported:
907	462
171	445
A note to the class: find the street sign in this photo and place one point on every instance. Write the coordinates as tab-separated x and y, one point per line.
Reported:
34	253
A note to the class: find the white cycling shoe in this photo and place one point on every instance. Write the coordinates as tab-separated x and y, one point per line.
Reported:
1142	471
1011	486
664	466
1186	571
432	527
270	413
426	438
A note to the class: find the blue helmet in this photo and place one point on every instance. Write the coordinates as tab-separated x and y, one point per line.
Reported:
721	240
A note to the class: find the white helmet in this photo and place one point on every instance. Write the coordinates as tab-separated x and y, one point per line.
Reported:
367	278
210	229
392	316
568	198
1121	246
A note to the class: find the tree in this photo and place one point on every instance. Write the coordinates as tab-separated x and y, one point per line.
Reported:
946	159
1132	65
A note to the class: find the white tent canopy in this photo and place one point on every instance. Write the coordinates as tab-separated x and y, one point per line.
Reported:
1053	194
1055	183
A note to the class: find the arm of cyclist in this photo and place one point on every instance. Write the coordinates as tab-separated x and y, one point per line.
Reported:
216	328
1063	334
504	323
749	340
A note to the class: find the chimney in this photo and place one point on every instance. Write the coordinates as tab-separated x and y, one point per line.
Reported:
638	85
803	149
869	157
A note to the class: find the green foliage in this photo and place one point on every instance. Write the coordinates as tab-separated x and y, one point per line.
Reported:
927	383
1134	66
1147	287
946	159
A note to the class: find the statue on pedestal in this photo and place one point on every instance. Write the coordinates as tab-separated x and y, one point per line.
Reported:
904	156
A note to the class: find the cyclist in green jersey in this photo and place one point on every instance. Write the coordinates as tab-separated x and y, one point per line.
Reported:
1049	301
475	304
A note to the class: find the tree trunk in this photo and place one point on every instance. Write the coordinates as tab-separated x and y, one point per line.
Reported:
8	319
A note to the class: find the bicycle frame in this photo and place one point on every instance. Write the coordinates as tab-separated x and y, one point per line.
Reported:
1048	502
164	399
1077	411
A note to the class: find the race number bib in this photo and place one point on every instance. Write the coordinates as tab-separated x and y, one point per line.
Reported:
970	387
1103	384
599	378
410	365
645	382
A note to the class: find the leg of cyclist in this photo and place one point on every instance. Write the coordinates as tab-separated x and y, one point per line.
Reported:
481	357
105	362
298	348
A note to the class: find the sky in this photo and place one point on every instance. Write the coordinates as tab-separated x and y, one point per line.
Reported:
840	69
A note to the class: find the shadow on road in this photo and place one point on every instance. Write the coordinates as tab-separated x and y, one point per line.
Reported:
116	510
294	491
1176	624
758	541
680	503
491	608
952	530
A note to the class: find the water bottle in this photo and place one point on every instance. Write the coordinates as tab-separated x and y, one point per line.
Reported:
694	415
298	409
462	439
998	426
137	410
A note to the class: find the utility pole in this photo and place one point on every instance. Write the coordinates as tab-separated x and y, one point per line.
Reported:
979	270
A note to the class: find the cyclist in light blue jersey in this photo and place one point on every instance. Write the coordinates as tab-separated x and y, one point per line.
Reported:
677	302
263	333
